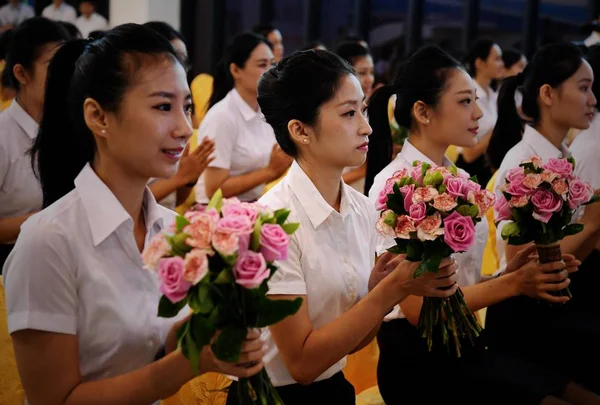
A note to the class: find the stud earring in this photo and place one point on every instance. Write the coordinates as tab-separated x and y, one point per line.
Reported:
305	140
104	131
427	122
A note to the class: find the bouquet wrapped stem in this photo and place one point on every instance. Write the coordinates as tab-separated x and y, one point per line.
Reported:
552	253
258	390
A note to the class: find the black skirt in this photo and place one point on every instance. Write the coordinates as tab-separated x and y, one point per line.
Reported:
334	390
5	250
408	373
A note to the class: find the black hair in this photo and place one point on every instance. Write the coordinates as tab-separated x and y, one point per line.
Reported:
481	49
102	70
28	39
96	34
423	77
263	29
5	39
73	31
6	80
282	94
553	65
238	53
312	45
165	30
593	58
510	57
351	51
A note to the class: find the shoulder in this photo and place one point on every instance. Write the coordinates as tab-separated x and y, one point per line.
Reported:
220	114
361	201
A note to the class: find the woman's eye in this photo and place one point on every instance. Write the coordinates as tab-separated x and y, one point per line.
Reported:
350	113
466	101
188	109
585	89
163	107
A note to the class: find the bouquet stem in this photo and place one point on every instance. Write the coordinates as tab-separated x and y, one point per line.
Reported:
258	390
449	319
552	253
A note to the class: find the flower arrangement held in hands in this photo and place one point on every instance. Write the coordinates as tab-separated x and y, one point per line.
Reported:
539	199
218	262
431	212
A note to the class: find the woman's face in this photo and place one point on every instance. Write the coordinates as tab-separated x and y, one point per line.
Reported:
276	39
516	68
146	137
257	63
35	78
493	66
180	48
365	71
455	119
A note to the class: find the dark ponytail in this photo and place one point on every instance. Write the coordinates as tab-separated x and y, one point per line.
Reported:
238	52
552	65
102	70
422	78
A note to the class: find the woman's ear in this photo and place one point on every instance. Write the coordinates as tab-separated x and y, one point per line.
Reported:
95	117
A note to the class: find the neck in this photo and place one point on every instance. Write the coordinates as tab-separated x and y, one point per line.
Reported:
30	106
326	179
249	97
429	148
128	189
554	133
15	3
483	81
57	4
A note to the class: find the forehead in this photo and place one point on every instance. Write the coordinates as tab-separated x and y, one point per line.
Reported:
363	61
348	89
156	75
458	80
262	51
584	72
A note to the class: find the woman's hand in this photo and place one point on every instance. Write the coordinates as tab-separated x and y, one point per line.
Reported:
249	363
192	165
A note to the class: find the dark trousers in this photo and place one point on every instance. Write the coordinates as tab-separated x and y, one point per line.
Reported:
4	252
335	390
408	373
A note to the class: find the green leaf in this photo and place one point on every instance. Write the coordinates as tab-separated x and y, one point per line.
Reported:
572	229
414	250
281	216
474	211
216	201
474	179
454	170
397	250
180	223
442	189
271	312
511	229
180	334
571	160
424	167
193	354
464	210
391	219
432	263
228	345
291	227
224	277
168	309
395	203
200	300
433	179
255	242
202	329
178	245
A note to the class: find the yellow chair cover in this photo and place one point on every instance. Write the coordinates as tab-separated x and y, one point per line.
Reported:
208	389
181	209
4	104
452	153
490	256
11	391
201	88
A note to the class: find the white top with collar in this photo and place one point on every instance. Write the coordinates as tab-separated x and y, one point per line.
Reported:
468	262
488	102
96	22
20	191
10	14
76	269
64	12
243	142
533	143
330	257
585	148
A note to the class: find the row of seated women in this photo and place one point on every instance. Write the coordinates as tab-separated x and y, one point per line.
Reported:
115	114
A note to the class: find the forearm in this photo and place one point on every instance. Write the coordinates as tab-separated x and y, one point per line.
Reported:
183	193
162	188
582	244
11	227
236	185
355	174
156	381
368	339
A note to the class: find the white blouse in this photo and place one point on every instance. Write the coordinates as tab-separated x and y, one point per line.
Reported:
469	262
20	191
585	148
64	12
488	102
76	269
330	257
243	142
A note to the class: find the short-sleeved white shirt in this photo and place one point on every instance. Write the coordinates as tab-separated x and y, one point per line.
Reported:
64	12
96	22
243	142
488	102
10	14
20	191
330	257
76	269
469	262
585	149
533	143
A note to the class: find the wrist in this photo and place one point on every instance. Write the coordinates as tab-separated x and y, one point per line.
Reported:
387	296
513	281
269	174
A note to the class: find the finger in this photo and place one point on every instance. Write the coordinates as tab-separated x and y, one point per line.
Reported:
571	269
253	333
250	357
239	371
555	286
384	259
395	262
447	271
566	257
550	267
250	346
444	293
447	261
553	277
204	147
526	252
443	282
552	298
186	150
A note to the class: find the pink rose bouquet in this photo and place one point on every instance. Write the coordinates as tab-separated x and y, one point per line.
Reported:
539	199
218	262
431	213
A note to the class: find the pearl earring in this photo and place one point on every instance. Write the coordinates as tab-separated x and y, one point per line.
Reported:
104	131
305	140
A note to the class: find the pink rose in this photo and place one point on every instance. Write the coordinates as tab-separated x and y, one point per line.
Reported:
399	174
532	180
535	160
517	188
430	228
241	210
156	250
459	232
471	186
444	202
227	244
417	212
212	213
545	203
562	167
455	186
239	225
407	193
274	242
424	194
200	230
519	202
579	193
404	227
548	176
251	270
515	174
417	173
502	209
195	266
561	188
383	195
442	170
173	285
484	199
